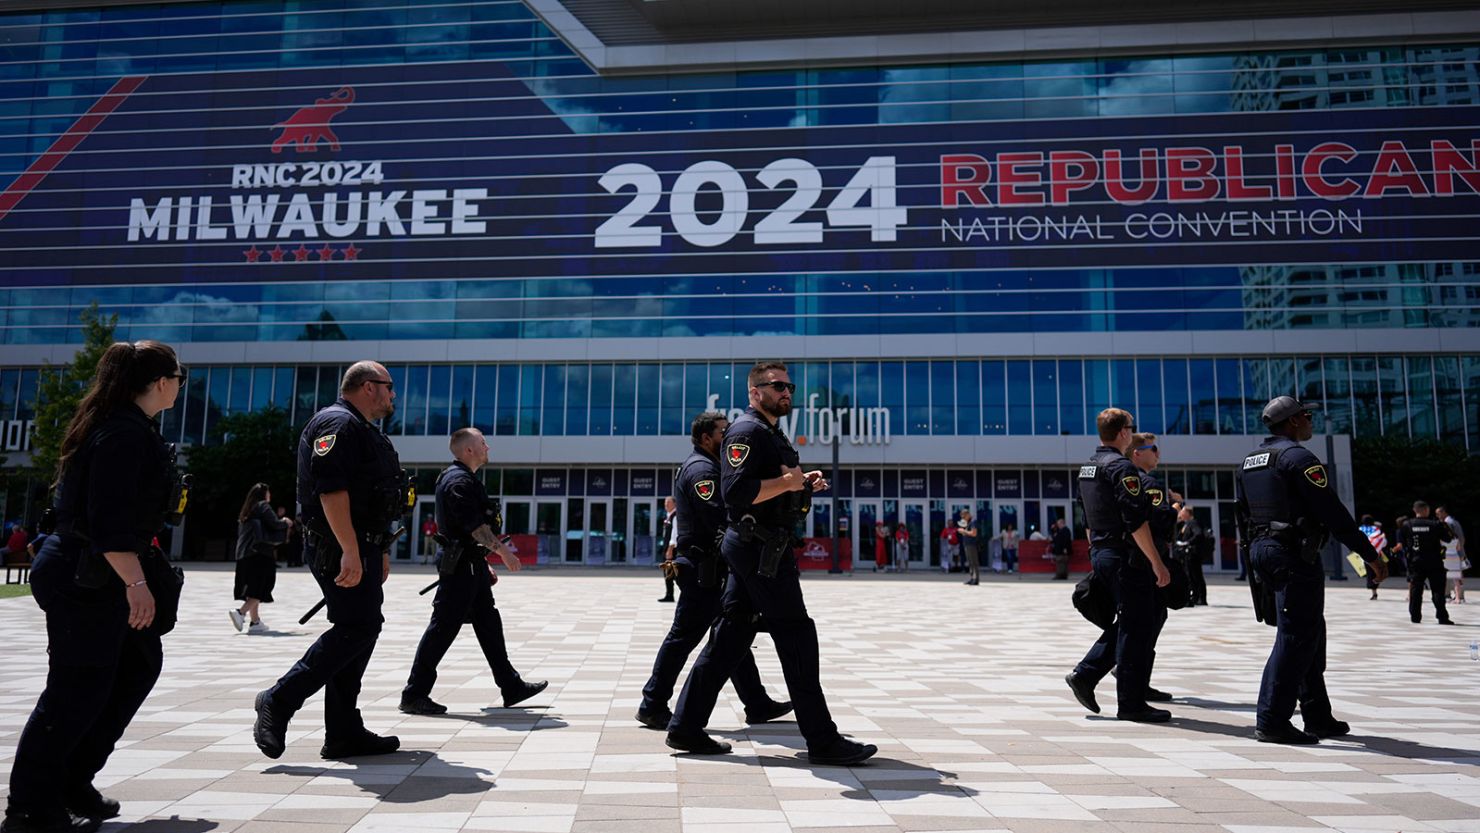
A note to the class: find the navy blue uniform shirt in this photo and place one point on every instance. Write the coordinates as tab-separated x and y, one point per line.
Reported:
1424	537
340	450
462	504
1115	504
117	484
1163	516
1293	484
701	510
754	451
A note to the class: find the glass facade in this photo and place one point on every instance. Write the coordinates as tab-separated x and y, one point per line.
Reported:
1435	397
55	65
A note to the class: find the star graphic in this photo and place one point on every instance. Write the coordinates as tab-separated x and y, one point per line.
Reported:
252	254
301	253
276	254
351	253
326	252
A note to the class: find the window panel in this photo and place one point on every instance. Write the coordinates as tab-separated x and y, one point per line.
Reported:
1019	398
1096	391
994	397
624	400
866	378
917	398
1394	395
414	400
1149	414
507	415
577	399
1367	410
485	397
439	405
892	392
1045	397
601	400
1123	385
240	397
1230	384
1450	403
696	392
261	388
671	415
554	421
531	398
1338	405
968	397
648	395
1176	397
1471	366
942	398
461	405
1421	422
1310	387
1257	393
282	388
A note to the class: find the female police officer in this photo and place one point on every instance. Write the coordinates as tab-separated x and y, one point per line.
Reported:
115	479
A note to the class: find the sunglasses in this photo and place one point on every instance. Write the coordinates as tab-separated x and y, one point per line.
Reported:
779	387
388	385
1148	448
181	375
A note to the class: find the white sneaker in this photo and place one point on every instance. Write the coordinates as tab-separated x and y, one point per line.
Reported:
238	621
257	627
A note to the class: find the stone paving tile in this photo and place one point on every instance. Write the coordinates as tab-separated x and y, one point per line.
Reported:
961	688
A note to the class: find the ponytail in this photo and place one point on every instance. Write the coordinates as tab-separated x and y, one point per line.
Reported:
255	495
124	372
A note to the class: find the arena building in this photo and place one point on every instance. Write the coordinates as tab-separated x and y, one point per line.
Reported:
969	226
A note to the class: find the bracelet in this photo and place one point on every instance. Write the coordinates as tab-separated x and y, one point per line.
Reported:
137	583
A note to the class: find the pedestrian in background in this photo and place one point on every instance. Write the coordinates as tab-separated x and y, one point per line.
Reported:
902	548
970	535
1373	530
1455	560
259	533
667	539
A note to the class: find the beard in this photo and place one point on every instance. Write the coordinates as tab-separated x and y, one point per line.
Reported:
781	408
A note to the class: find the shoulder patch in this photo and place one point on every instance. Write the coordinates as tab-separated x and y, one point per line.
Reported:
323	445
736	454
1317	476
704	489
1088	472
1157	496
1256	461
1132	485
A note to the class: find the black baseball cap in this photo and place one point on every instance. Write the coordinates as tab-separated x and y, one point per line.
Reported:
1282	408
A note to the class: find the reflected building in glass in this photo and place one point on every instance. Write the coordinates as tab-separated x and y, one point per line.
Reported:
576	225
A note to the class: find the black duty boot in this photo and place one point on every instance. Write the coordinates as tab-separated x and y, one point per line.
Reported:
1154	695
88	803
1083	691
421	705
56	821
1145	714
768	713
842	752
696	743
271	729
1328	728
365	743
1287	734
523	691
655	718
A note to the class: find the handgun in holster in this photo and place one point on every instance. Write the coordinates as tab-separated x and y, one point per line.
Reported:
709	568
1261	594
452	553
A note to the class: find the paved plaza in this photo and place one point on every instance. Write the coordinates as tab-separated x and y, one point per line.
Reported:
962	689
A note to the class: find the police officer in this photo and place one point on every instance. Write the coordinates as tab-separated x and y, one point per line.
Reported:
107	594
765	492
1286	508
1423	539
350	487
466	521
701	580
1127	563
1145	455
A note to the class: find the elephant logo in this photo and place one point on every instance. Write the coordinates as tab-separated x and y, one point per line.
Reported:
310	125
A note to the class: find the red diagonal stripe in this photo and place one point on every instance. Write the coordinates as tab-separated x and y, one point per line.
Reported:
68	142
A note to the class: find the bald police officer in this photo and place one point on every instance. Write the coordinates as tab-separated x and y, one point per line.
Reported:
350	487
764	490
1286	510
1125	560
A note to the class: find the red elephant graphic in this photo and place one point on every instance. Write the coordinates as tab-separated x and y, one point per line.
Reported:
310	125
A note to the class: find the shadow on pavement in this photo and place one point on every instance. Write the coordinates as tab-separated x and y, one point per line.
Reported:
1374	744
428	779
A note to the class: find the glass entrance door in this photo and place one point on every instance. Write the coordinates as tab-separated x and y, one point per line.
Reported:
422	546
644	530
598	531
912	515
865	537
1004	552
547	523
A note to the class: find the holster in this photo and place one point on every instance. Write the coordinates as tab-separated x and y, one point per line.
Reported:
452	553
326	552
93	570
709	567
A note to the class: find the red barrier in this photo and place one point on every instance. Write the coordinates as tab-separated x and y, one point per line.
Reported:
816	554
526	547
1033	557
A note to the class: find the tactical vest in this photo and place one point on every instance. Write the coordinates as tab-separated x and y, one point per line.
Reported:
1101	513
1427	539
1265	491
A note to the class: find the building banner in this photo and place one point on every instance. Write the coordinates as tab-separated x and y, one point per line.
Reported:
460	170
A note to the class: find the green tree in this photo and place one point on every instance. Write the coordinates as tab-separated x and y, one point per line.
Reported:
241	449
1390	473
60	389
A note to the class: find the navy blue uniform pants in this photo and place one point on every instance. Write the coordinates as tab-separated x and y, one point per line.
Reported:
1430	572
99	672
463	596
779	602
693	617
1296	668
1129	644
336	661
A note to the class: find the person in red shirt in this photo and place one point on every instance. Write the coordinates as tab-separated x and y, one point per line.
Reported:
17	541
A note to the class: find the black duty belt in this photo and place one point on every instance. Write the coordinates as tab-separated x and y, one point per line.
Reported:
749	530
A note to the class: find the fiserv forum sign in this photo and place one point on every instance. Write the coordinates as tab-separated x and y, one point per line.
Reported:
459	171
